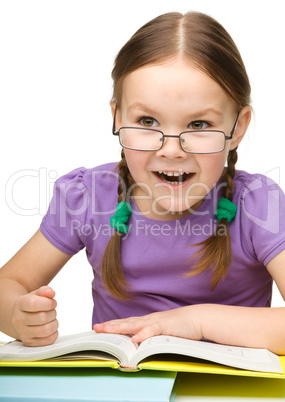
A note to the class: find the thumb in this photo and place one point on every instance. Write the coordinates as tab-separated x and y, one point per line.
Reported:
45	291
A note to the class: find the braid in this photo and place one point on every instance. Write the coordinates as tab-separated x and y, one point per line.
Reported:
125	179
216	251
112	271
229	174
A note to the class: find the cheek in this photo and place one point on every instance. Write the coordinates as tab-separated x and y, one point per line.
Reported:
212	165
137	162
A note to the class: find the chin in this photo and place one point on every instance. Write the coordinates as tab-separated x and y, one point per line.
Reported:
172	211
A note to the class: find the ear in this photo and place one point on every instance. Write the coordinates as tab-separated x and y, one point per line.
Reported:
242	125
115	108
113	105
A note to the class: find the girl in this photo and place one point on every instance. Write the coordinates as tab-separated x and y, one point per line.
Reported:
179	243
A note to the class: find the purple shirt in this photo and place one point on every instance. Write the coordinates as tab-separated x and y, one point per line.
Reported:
156	254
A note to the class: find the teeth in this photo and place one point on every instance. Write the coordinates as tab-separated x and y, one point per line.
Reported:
172	173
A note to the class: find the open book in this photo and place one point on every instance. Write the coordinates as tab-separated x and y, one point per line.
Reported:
129	355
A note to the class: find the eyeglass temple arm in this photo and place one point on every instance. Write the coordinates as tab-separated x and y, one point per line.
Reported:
114	123
234	128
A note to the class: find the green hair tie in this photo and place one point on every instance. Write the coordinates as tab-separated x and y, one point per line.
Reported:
123	212
226	210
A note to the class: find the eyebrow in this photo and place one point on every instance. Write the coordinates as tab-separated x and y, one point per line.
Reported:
209	110
146	109
141	106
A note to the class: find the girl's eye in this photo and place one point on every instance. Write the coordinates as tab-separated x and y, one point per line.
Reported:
199	125
148	122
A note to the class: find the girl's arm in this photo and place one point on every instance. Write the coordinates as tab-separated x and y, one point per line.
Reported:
230	325
27	305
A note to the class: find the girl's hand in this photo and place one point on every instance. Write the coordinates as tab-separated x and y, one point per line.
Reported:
34	317
182	322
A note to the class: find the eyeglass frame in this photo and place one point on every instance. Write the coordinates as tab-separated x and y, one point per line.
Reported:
117	133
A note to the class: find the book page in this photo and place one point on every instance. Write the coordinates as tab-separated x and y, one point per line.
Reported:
245	358
120	346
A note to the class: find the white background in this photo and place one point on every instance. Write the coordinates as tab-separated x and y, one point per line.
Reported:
55	88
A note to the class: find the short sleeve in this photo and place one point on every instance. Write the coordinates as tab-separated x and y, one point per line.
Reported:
68	206
263	218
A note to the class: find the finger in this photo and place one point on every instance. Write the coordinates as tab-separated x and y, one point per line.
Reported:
44	291
119	321
140	329
41	341
125	326
109	325
41	331
146	332
39	318
102	327
35	303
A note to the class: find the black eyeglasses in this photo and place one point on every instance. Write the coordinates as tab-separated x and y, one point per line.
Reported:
193	141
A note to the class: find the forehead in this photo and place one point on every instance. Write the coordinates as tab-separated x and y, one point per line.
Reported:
173	85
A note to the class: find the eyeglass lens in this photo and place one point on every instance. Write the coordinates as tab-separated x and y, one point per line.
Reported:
150	140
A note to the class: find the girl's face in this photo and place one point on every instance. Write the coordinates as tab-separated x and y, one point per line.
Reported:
174	97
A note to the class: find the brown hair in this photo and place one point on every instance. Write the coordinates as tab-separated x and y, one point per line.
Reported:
202	40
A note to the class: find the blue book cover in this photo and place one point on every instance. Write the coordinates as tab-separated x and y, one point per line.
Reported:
84	384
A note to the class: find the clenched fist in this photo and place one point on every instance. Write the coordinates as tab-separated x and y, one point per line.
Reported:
34	317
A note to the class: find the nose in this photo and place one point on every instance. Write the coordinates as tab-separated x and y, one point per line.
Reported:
171	148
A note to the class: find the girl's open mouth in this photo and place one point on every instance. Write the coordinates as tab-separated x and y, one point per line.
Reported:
173	178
